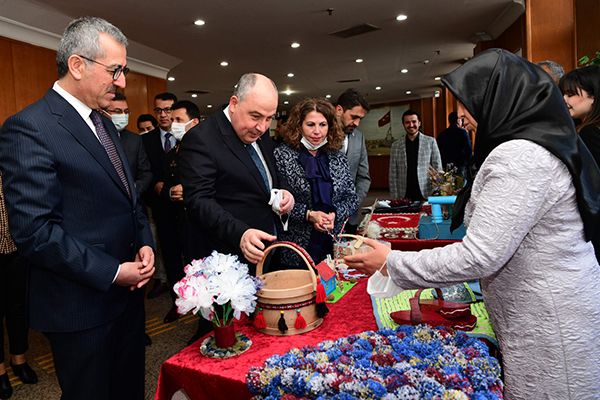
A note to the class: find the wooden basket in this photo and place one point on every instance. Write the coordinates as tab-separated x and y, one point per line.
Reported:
288	291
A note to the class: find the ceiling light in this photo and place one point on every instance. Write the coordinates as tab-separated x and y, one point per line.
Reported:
377	87
404	70
286	102
328	96
401	17
295	45
437	93
224	63
194	95
437	78
288	92
290	75
170	79
408	92
359	60
209	106
199	22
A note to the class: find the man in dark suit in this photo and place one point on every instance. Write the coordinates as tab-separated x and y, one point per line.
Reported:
225	192
164	211
74	214
454	144
351	108
118	111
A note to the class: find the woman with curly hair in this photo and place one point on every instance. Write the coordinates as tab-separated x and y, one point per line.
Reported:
319	176
580	87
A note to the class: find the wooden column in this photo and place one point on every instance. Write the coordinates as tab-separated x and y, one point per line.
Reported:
550	32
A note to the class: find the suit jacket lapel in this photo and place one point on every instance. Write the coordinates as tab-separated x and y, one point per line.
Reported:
239	150
69	119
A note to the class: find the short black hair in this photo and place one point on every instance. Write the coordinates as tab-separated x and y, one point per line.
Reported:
283	118
119	96
411	112
191	109
453	118
146	118
165	96
352	98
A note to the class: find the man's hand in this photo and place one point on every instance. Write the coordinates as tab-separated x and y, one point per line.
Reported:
287	202
177	192
369	263
252	246
158	187
137	273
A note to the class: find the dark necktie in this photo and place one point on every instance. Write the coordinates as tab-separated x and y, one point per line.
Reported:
259	165
110	148
168	141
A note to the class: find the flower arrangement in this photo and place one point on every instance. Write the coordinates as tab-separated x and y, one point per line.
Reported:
406	363
445	182
220	280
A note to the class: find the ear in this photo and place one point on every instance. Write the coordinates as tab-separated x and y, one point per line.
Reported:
76	67
233	103
195	122
339	110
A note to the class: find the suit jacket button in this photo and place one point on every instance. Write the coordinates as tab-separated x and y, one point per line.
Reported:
131	245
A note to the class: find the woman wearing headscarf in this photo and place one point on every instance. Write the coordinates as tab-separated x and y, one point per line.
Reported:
319	176
580	88
529	211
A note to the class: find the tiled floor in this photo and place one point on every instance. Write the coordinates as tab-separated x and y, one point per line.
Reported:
167	340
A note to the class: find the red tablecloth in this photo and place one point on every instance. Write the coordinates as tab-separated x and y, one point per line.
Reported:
207	378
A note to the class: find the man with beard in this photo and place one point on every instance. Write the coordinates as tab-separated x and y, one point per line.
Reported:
351	107
410	159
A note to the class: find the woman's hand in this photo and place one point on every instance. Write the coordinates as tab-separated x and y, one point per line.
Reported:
369	263
322	221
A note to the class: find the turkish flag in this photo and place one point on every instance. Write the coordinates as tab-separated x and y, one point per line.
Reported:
385	119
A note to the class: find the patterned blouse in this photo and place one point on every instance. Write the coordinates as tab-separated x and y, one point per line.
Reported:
7	245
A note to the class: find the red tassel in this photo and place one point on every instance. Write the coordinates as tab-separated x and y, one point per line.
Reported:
300	321
321	294
259	320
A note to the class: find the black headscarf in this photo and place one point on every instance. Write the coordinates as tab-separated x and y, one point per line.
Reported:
510	98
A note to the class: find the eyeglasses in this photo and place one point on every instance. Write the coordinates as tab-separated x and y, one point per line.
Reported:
159	110
116	72
119	111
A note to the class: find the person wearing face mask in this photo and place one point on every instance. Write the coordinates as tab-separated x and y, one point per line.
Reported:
319	175
118	112
580	88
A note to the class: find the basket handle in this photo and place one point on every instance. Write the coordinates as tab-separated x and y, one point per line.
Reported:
301	252
359	239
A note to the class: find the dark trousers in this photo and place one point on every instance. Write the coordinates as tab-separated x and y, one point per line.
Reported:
106	362
169	233
13	289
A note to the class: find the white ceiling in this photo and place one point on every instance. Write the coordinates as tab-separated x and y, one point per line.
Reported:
255	36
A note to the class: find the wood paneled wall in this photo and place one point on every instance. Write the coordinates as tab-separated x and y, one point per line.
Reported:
27	72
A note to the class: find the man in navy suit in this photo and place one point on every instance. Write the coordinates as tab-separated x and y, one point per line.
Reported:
74	213
226	187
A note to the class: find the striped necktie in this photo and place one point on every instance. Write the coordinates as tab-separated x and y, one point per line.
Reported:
110	148
168	141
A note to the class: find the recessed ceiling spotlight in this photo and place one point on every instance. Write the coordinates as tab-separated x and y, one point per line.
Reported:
295	45
290	75
359	60
194	95
377	87
199	22
404	70
286	102
170	79
209	106
224	63
437	78
437	93
328	96
288	92
401	17
408	92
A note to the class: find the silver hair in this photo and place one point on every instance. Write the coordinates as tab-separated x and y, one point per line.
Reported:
82	37
556	70
245	85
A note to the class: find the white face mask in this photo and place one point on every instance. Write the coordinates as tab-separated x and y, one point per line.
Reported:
310	146
382	286
178	129
120	121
